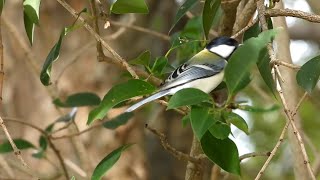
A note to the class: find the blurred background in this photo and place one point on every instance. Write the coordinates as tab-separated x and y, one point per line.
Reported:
77	70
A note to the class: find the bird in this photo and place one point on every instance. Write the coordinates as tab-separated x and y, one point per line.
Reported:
204	71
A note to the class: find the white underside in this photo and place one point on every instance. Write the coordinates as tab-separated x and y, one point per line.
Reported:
206	84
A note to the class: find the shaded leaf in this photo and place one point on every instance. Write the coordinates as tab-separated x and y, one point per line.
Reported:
237	121
209	12
142	59
237	70
118	94
224	152
188	96
2	2
78	100
201	120
265	69
43	143
186	6
106	163
131	6
308	75
159	65
31	9
253	31
29	27
185	120
118	121
20	143
220	130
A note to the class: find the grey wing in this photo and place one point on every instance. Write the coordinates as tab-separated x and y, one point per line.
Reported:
189	72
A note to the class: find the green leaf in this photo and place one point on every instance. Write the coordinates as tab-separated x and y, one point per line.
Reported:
159	65
106	163
118	94
185	120
2	2
308	75
78	100
31	9
20	143
129	6
142	59
73	178
253	31
224	152
265	69
52	56
237	121
201	120
258	109
118	121
186	6
188	96
210	10
243	59
29	27
220	130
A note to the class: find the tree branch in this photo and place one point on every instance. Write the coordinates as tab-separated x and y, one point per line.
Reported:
293	13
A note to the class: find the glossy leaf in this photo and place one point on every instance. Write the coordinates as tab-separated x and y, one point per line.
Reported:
308	75
220	130
224	152
265	69
142	59
106	163
201	120
118	94
2	2
131	6
31	9
237	121
159	65
186	6
189	96
21	144
78	100
210	10
118	121
243	59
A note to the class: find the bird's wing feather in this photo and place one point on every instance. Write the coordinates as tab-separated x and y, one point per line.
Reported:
189	72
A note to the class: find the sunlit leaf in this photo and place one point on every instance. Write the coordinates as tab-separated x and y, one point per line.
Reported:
118	121
237	121
21	144
131	6
220	130
78	100
224	152
243	59
209	12
31	17
201	120
118	94
308	75
106	163
186	6
189	96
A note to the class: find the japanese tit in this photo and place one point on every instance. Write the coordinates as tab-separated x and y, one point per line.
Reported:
204	71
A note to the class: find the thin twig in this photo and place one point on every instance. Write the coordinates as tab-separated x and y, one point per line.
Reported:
285	64
16	151
254	154
118	59
163	139
100	53
293	13
274	150
245	28
294	112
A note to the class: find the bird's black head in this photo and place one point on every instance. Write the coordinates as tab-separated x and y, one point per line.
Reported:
222	46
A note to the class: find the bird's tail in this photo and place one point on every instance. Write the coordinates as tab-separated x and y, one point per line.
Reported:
148	99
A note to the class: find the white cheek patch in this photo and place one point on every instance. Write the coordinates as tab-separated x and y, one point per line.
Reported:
223	50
